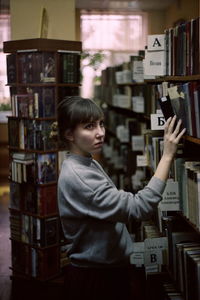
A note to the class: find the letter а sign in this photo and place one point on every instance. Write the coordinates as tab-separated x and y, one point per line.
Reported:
156	42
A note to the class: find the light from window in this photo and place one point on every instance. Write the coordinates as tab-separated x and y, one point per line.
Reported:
117	36
4	36
113	32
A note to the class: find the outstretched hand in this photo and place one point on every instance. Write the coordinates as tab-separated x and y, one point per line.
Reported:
172	136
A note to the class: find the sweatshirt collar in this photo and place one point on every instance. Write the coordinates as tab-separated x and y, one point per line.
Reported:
86	160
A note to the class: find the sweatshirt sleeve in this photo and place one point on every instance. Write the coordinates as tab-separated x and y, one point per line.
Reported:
93	195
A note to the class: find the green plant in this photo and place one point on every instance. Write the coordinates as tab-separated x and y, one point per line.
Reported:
5	107
94	59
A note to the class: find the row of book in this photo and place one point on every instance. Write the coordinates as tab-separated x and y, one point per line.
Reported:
182	100
35	231
127	72
184	257
30	134
182	48
35	168
35	102
32	262
38	200
184	171
187	174
40	67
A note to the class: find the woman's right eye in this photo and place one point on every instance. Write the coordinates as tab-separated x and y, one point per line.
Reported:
89	126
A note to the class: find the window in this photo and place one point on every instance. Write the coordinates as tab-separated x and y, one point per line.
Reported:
116	35
4	36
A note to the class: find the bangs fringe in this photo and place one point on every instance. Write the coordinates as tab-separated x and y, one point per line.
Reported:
86	111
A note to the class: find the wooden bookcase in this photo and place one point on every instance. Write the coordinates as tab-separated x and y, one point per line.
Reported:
172	221
40	73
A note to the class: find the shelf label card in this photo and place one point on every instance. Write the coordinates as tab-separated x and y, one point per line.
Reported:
156	42
137	257
170	201
157	122
142	161
154	249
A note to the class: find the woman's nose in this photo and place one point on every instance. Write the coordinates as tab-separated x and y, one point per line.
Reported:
100	131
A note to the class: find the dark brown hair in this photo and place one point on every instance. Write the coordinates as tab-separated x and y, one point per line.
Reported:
75	110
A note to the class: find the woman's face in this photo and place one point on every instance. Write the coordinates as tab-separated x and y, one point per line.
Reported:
87	138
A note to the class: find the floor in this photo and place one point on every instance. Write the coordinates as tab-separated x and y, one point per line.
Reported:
5	258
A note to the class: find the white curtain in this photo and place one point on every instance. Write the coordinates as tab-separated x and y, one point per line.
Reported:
4	36
116	35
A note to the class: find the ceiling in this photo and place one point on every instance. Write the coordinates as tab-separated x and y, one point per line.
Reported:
124	5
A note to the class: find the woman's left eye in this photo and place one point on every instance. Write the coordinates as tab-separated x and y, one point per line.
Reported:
89	126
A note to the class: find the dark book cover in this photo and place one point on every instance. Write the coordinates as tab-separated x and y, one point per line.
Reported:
13	132
47	170
22	105
192	89
48	72
49	231
67	91
70	67
48	102
22	68
20	257
48	262
30	198
197	110
15	196
179	106
11	68
47	200
15	225
166	107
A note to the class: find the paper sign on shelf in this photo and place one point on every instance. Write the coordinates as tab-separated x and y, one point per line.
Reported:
142	161
170	201
157	122
137	257
156	42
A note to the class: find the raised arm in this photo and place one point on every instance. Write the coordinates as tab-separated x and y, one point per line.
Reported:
172	137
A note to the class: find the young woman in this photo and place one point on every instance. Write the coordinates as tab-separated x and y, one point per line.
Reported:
93	211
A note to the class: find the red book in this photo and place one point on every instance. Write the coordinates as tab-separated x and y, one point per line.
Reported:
47	200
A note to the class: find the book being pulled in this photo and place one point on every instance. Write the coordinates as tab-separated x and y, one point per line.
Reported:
175	105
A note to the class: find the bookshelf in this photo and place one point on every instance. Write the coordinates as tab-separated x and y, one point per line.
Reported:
180	224
40	73
182	227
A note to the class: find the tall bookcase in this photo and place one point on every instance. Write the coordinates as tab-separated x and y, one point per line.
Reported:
40	73
179	223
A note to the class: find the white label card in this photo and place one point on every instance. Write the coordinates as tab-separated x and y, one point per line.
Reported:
142	161
157	122
170	201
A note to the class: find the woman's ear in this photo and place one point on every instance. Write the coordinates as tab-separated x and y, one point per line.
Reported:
69	135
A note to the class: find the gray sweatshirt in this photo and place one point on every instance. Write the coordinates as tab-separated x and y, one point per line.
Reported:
94	212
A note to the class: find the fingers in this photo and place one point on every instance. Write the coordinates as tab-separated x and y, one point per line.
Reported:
171	125
167	124
180	135
178	127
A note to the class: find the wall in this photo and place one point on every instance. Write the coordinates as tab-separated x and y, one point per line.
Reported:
182	9
26	19
156	22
